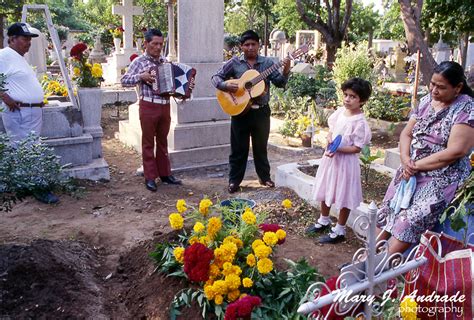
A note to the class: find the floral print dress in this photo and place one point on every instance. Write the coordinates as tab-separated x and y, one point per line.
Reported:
435	189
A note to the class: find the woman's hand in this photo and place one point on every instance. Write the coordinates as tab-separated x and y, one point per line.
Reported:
328	139
329	154
409	167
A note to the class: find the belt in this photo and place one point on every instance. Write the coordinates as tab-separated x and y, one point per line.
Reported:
155	100
257	106
30	105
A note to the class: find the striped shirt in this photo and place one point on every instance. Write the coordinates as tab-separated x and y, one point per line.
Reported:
132	77
235	67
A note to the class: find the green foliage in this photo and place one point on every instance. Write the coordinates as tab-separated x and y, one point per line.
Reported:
390	25
27	169
319	87
353	61
385	106
321	116
363	21
287	18
461	206
367	158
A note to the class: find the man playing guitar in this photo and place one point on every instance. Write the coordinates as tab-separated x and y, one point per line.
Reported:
254	123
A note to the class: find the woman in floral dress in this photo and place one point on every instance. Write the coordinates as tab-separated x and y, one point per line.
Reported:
434	147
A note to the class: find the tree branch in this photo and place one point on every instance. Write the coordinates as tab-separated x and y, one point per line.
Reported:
347	17
330	17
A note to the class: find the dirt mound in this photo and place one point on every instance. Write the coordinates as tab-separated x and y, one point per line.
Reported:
53	278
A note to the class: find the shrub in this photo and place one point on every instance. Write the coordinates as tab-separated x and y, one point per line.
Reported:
353	61
385	106
29	168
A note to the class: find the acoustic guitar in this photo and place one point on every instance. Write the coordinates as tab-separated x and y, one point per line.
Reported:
251	85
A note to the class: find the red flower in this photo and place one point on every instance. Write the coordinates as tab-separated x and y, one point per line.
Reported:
332	284
133	57
144	29
121	28
271	227
242	308
78	50
197	260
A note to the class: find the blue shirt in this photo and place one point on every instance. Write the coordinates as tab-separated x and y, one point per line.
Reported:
235	68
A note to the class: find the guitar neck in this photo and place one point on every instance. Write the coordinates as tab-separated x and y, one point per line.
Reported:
266	73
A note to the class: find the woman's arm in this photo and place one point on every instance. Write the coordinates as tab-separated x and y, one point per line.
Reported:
460	143
405	141
349	149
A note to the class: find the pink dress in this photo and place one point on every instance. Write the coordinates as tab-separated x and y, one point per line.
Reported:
338	178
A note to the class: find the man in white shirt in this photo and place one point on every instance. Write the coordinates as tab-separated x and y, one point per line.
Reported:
22	101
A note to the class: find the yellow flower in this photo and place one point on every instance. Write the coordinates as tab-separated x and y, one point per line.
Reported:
249	217
233	295
88	65
264	266
408	308
176	221
181	206
45	100
214	271
235	240
270	238
204	206
76	71
286	203
251	261
262	251
220	287
213	227
178	253
193	240
209	292
281	234
233	281
257	243
205	240
218	299
96	70
198	227
247	282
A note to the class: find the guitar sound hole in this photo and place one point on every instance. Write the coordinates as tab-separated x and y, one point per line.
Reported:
248	85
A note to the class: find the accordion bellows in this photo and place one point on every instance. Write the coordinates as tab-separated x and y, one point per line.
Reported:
172	79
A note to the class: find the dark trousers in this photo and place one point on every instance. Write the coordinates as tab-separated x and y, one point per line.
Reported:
254	124
155	121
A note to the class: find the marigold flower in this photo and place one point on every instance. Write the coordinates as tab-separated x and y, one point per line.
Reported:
176	221
205	240
248	217
233	295
232	281
204	206
213	227
198	227
408	308
251	261
181	206
235	240
218	299
281	235
76	71
247	282
209	292
220	287
96	70
257	243
264	266
214	271
286	203
270	238
263	251
178	253
193	240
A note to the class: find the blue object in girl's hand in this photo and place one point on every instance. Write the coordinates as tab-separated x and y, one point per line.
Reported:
332	147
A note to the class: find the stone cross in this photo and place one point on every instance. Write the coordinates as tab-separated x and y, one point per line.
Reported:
127	11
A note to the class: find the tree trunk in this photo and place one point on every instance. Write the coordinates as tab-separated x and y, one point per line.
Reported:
330	55
463	50
2	18
414	36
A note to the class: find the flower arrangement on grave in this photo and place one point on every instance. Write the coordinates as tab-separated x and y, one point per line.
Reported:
2	85
227	256
117	32
85	74
53	87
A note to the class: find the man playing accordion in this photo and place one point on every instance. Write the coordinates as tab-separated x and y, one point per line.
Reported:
154	111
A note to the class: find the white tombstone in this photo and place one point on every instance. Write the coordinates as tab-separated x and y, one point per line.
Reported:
384	45
470	57
97	55
310	37
278	40
441	51
36	56
115	65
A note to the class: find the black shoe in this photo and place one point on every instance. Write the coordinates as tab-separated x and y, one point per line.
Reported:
268	183
233	187
170	180
151	185
332	238
46	197
317	228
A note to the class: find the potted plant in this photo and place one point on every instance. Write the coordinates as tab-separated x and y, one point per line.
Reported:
117	35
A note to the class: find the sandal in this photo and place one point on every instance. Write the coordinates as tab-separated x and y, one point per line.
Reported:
268	183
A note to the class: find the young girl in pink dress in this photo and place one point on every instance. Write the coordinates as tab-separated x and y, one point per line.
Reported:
338	177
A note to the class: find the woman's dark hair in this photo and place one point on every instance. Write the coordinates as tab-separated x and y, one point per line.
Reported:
454	74
149	34
249	35
362	87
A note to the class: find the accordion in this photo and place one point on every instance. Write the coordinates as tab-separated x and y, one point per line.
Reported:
172	79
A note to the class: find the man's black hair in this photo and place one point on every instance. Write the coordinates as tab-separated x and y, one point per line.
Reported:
362	87
249	35
149	34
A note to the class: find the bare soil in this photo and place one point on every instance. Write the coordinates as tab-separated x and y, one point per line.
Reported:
88	256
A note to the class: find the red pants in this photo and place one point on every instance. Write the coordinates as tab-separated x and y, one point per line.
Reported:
155	121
